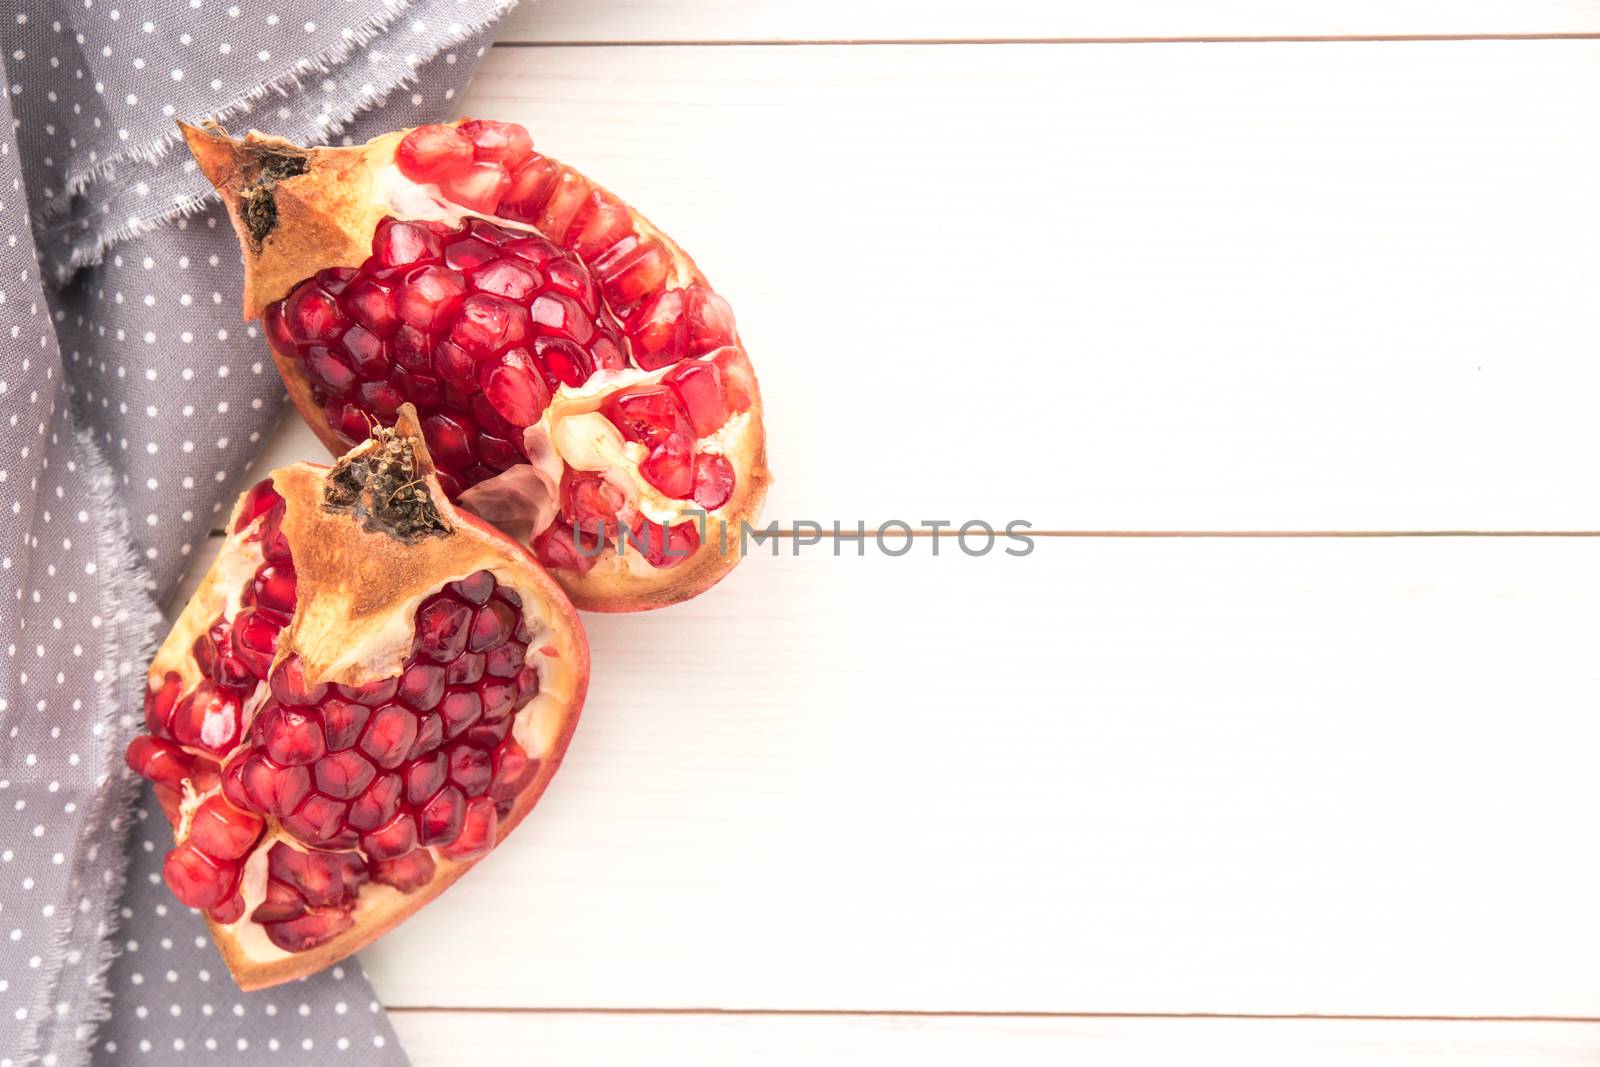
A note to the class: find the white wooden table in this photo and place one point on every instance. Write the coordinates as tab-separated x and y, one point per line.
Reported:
1284	749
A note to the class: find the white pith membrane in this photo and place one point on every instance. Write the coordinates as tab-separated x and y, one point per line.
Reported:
572	427
380	652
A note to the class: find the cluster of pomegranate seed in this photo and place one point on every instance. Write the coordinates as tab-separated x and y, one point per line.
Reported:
479	324
421	760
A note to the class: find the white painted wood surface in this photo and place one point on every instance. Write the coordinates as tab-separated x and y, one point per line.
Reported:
922	20
1278	776
1218	287
740	1041
1221	287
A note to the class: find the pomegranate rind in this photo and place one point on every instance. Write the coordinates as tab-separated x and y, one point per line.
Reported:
371	580
324	216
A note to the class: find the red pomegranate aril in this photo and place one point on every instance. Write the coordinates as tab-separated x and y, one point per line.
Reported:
257	502
471	769
222	831
494	623
160	761
393	839
342	722
430	732
208	718
229	911
698	385
531	185
407	874
564	362
713	480
280	338
556	547
561	312
670	466
659	331
273	589
429	297
646	414
465	669
601	226
271	788
317	819
255	639
432	153
455	365
566	199
328	371
373	693
312	314
423	390
499	454
412	350
197	879
505	661
710	321
159	703
459	710
440	819
631	271
364	351
488	324
383	399
421	686
479	188
534	249
466	253
309	930
513	770
283	902
343	775
516	390
662	547
323	879
289	686
476	836
487	735
390	736
497	698
449	441
371	307
507	278
347	419
424	777
500	142
377	803
443	627
292	737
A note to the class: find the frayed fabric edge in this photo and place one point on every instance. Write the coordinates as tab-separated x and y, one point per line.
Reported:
131	618
89	254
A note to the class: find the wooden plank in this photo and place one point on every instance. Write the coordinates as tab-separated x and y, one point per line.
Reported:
443	1039
923	20
1284	776
1186	286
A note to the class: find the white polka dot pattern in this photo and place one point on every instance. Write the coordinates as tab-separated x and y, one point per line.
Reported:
132	400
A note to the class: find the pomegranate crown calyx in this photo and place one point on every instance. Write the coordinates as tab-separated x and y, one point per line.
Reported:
385	484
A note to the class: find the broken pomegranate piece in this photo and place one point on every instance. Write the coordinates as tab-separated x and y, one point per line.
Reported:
409	686
541	328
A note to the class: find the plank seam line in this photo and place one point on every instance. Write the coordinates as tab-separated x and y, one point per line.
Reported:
893	1013
944	42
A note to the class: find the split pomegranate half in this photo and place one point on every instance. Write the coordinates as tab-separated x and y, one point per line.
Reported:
368	691
580	384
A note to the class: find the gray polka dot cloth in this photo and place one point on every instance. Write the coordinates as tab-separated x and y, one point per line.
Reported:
132	398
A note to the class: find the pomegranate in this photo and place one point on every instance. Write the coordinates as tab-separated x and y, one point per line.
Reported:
579	383
368	691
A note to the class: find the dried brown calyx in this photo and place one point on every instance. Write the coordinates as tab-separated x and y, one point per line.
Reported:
385	489
264	167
